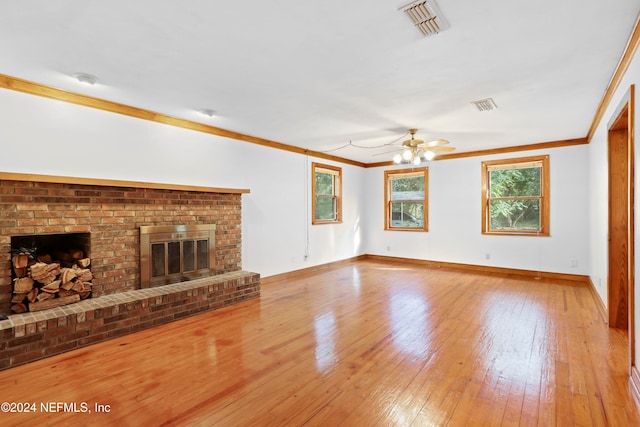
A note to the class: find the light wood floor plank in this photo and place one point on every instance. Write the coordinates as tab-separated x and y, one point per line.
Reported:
367	343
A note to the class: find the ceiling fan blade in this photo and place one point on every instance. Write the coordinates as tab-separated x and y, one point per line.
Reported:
436	143
441	149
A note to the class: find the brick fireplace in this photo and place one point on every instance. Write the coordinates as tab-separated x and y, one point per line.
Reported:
111	213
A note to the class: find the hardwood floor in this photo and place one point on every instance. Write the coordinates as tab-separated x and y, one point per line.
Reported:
365	344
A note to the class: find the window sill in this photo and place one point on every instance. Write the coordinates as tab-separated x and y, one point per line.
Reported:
515	233
420	230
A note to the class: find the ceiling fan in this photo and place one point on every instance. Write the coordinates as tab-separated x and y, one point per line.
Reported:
416	150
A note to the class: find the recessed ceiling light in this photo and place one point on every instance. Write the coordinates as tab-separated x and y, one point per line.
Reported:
85	78
207	112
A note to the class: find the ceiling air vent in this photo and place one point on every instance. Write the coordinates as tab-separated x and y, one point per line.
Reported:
426	16
485	104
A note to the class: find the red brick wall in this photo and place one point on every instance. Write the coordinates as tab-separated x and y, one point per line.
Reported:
112	215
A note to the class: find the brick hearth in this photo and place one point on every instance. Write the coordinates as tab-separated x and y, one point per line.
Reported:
30	336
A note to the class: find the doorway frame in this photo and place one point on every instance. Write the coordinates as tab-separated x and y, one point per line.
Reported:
623	119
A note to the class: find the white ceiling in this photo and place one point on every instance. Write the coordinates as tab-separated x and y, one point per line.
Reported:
321	73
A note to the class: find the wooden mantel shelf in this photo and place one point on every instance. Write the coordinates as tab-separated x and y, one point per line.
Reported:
11	176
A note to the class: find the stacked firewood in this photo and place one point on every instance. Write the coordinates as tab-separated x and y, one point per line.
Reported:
46	281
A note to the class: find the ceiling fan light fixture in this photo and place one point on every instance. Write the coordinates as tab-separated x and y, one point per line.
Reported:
415	151
429	155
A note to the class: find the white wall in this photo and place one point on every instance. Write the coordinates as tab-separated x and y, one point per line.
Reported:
43	136
455	220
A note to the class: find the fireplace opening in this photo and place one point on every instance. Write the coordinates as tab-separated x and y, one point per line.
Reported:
58	246
171	254
49	270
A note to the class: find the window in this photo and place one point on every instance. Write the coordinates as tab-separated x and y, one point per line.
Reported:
326	187
515	196
405	196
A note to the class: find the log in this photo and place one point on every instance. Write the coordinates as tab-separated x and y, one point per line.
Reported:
84	262
54	302
19	308
45	273
20	263
20	272
42	296
31	296
67	275
68	286
20	260
38	269
84	275
18	298
52	287
66	293
22	285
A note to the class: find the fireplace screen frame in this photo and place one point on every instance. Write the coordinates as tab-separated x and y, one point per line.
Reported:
156	235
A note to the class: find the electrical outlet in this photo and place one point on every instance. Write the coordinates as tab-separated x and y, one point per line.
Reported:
487	256
574	263
388	248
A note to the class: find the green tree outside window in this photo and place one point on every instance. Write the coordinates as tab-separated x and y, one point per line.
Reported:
326	193
515	198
